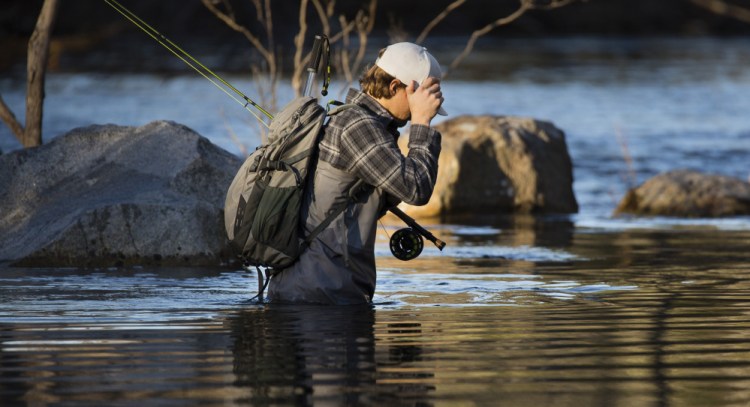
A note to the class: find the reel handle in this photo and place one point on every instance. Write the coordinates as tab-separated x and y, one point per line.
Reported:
417	227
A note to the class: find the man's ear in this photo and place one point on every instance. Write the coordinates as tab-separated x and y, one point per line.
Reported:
393	86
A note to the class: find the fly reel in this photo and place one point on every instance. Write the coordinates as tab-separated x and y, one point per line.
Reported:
406	244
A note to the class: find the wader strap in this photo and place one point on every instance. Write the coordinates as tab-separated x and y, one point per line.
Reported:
261	284
354	191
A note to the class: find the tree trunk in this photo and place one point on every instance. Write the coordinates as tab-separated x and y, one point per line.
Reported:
36	69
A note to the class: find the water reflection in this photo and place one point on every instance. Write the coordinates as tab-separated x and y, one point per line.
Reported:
329	355
634	317
605	353
295	354
553	231
484	243
51	364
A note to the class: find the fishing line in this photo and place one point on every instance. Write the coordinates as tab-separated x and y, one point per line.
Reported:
384	229
182	54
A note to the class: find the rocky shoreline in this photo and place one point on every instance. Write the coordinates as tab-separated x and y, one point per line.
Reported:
107	195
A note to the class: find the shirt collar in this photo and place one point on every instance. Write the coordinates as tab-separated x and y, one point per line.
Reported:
368	102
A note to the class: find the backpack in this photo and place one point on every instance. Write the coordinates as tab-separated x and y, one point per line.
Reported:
262	207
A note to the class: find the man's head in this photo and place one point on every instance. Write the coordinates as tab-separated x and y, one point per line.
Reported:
397	66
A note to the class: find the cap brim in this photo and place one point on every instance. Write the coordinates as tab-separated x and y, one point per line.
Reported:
442	112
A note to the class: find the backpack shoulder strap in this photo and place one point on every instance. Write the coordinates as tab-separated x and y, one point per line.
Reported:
338	107
354	191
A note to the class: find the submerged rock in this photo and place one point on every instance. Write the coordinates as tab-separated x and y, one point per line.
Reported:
111	195
688	193
500	164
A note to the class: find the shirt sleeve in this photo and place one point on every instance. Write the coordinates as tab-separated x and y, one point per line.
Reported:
373	155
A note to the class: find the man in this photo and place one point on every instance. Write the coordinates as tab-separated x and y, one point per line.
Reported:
359	143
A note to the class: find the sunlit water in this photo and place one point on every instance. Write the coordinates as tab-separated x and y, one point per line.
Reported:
579	310
639	317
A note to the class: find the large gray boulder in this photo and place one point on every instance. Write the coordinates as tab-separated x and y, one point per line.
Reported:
110	195
688	193
500	164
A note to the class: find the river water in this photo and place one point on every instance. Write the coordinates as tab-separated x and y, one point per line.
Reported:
561	310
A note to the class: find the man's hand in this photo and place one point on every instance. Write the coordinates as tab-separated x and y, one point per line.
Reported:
424	101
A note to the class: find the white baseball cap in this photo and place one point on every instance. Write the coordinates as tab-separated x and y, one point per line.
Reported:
409	62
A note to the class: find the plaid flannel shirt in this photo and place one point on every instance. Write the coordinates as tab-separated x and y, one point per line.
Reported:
363	142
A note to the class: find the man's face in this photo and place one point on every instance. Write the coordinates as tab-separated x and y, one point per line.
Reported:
400	103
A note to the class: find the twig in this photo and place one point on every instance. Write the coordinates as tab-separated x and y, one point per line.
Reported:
324	15
299	43
631	179
10	120
525	6
364	22
232	135
268	23
233	24
301	59
437	20
230	10
483	31
344	54
725	9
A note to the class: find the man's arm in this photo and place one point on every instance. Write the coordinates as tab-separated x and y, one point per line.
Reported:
377	160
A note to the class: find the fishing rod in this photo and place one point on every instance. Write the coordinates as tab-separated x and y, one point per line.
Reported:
190	61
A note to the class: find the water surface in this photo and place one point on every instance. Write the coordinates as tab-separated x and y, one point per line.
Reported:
575	310
638	317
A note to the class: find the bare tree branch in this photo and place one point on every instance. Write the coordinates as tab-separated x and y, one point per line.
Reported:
325	13
550	4
331	7
268	23
525	5
337	37
299	43
348	59
270	71
324	16
36	70
364	22
630	176
437	20
10	120
485	30
232	23
228	7
344	54
725	9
